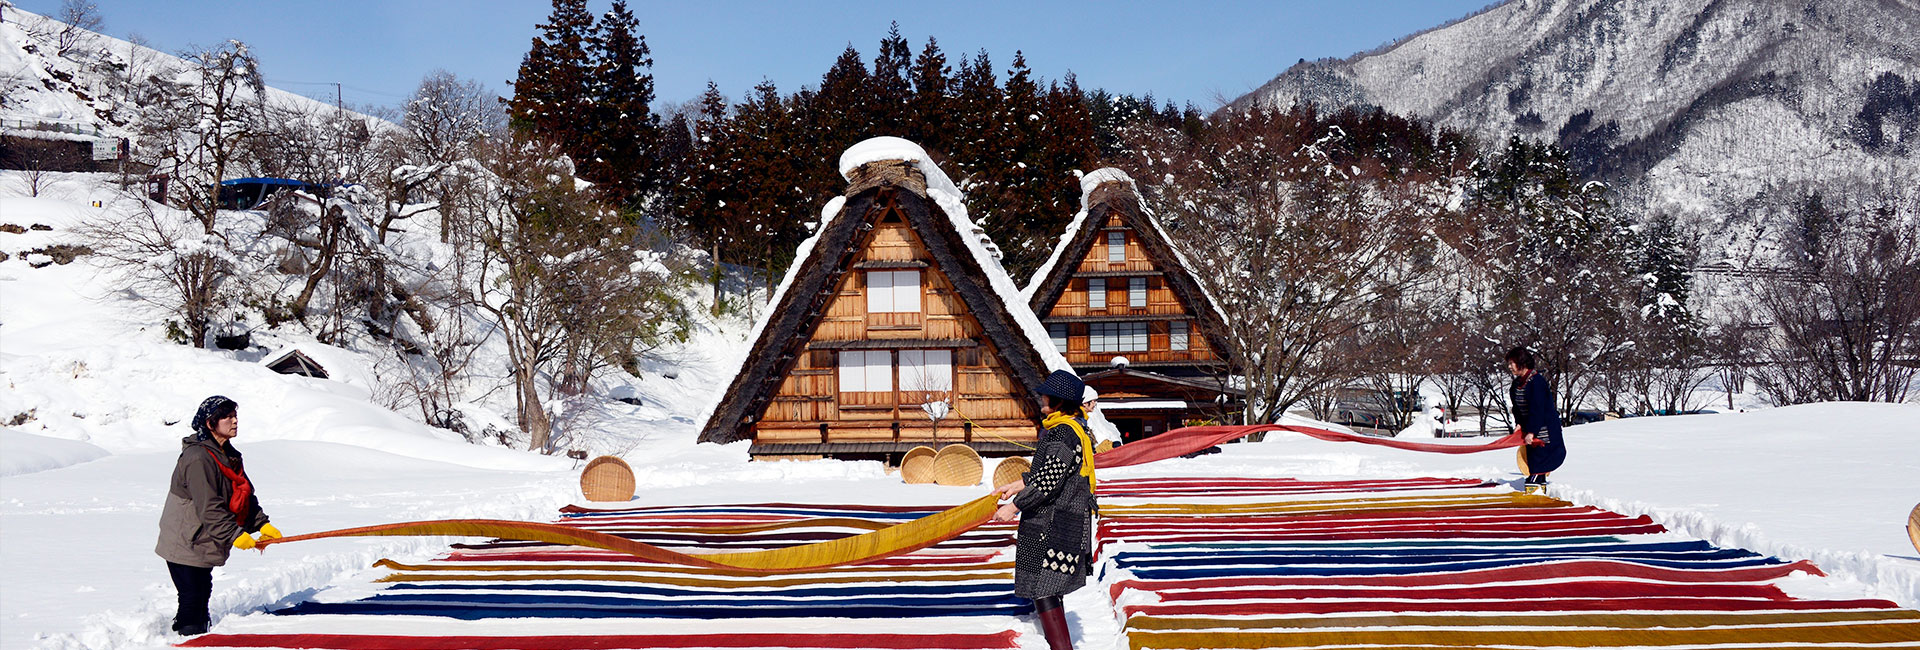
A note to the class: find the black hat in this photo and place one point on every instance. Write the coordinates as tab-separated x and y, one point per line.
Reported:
213	408
1064	385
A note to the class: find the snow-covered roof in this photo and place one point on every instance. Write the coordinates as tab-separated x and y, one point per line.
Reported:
978	249
1088	184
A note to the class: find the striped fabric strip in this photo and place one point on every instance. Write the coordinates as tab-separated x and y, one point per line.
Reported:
1174	573
1868	632
1004	639
1556	570
1610	620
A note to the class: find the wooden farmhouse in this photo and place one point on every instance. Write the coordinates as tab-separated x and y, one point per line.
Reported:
1120	303
897	327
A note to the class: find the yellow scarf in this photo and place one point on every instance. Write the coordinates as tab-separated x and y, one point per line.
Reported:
1057	418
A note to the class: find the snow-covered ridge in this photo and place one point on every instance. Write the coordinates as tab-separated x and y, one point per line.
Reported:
74	95
1716	104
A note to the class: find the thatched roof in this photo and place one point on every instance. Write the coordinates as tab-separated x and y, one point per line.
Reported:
800	303
1104	193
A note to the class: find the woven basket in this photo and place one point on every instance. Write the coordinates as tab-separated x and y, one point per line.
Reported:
607	479
1913	527
1522	449
917	465
1009	470
957	465
1103	446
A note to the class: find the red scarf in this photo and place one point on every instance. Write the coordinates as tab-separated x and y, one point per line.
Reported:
242	488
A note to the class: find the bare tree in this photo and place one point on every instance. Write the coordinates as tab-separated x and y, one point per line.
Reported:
196	124
1309	237
37	159
560	276
1846	321
166	259
80	18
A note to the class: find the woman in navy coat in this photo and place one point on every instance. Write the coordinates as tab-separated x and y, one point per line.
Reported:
1535	416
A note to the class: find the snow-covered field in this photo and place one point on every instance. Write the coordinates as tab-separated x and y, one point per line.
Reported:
96	396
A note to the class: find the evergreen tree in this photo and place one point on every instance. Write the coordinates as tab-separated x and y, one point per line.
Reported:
549	94
928	111
626	159
891	85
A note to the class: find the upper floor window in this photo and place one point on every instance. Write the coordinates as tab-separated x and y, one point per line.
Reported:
929	370
1117	337
1096	293
893	291
1136	292
866	371
1178	337
1116	246
1058	332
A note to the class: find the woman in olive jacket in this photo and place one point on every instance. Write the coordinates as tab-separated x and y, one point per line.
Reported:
1054	502
211	509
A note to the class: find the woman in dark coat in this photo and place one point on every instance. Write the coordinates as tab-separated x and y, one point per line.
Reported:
1054	502
1537	419
211	510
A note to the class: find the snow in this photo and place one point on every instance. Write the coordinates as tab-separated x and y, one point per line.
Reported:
25	453
1134	405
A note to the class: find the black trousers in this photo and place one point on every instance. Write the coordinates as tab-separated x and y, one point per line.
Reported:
195	585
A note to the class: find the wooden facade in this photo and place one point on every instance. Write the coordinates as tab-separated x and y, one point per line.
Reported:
1117	289
890	311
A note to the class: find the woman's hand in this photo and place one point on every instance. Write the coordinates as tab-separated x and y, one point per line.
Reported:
1009	490
1533	442
1006	513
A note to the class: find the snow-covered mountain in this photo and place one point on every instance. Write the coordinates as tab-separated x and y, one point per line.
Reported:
79	91
1718	111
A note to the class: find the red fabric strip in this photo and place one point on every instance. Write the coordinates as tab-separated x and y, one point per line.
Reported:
390	642
1582	589
1548	571
1555	605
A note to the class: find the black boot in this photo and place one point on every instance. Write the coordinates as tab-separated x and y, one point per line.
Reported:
1053	623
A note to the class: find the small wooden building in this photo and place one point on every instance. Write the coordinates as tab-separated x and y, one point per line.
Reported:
896	304
1120	302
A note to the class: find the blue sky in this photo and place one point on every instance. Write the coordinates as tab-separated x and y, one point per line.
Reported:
1185	51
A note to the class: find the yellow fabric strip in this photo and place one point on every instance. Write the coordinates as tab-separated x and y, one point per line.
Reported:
893	540
1676	620
1057	418
1514	500
683	581
1886	632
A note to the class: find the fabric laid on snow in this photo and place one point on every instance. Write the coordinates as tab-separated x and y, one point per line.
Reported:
1004	639
1452	571
494	606
1183	441
910	536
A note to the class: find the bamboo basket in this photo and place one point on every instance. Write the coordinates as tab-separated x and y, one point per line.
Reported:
1009	470
917	465
607	479
957	465
1522	449
1913	527
1103	446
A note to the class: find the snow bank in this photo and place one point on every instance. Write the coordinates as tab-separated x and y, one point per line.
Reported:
25	453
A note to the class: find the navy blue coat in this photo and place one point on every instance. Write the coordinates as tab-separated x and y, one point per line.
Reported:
1533	407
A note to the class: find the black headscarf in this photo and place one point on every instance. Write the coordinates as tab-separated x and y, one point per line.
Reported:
211	409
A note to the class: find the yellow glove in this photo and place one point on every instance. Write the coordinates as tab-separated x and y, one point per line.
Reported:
269	532
244	542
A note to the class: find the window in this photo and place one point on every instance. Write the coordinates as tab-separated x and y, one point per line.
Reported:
1117	337
1136	292
1096	293
1177	335
926	370
1116	246
1059	333
893	291
866	371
